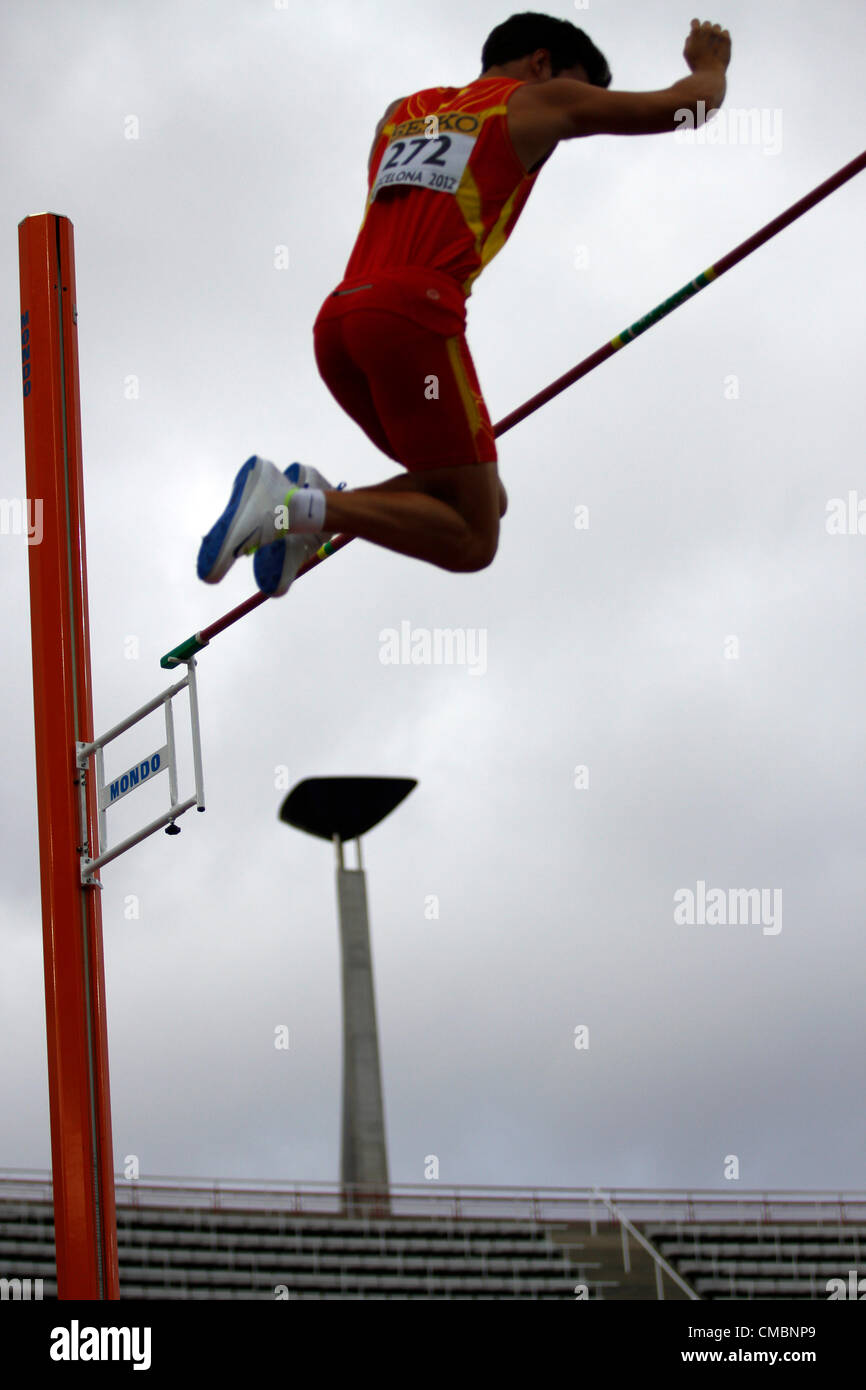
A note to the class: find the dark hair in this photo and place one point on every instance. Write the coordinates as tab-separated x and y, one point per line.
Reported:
567	45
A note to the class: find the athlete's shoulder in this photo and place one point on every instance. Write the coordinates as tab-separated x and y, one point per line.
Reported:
483	92
490	91
429	98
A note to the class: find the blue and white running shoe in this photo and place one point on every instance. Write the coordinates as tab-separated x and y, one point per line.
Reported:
276	565
249	520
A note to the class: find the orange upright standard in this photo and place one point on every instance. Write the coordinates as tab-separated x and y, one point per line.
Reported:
81	1148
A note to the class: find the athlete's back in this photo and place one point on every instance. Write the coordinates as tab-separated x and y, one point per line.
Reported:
445	184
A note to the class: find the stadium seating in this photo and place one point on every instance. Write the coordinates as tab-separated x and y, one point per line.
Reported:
197	1242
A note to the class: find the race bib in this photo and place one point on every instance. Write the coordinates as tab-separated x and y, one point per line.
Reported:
422	162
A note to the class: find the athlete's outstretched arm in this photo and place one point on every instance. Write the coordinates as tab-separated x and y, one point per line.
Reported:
586	110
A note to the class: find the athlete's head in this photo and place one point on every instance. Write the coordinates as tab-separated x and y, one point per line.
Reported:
544	47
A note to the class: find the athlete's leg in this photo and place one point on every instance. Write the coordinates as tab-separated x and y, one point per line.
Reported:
446	516
377	365
416	481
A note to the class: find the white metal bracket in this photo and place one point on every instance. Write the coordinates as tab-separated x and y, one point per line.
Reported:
162	759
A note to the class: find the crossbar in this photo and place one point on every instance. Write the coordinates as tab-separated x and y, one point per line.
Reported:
199	640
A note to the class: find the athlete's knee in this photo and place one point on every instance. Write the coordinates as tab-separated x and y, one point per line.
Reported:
503	499
479	498
486	552
477	551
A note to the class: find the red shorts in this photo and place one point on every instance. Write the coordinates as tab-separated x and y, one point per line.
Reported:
392	350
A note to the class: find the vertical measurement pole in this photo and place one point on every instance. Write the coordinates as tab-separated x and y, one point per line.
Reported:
81	1148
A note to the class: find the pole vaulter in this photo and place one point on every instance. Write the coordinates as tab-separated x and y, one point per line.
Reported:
520	77
184	650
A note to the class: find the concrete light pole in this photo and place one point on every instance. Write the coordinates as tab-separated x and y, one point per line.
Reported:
341	809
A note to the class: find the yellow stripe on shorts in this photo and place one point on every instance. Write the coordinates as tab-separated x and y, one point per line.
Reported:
467	395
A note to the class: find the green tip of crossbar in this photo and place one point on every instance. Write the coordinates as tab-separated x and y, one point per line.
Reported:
183	651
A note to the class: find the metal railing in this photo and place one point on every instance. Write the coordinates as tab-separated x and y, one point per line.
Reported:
660	1263
541	1205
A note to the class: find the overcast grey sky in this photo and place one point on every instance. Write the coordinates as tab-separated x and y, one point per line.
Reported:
698	649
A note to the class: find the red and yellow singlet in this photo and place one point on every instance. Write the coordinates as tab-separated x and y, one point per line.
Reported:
454	144
445	189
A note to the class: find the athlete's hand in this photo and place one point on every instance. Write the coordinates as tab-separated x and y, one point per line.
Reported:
707	46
